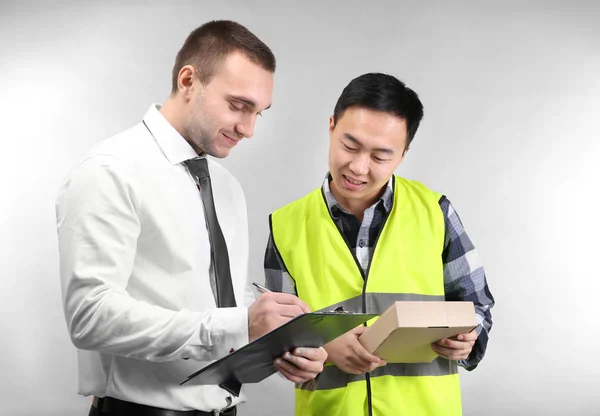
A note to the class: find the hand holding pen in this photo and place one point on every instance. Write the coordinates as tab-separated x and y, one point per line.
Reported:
302	363
271	310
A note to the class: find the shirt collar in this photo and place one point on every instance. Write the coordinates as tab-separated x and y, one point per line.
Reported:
173	145
387	197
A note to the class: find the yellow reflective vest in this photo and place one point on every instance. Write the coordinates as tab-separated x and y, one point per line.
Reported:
406	265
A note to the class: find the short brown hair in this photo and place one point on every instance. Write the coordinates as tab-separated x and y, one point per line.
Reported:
207	46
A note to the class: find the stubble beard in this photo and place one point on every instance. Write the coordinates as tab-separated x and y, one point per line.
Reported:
197	131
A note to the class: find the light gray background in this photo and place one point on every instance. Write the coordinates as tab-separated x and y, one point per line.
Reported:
512	99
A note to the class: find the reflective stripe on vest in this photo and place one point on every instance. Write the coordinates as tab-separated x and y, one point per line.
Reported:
334	378
379	302
406	265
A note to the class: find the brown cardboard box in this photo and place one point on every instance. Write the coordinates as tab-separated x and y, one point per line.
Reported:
404	333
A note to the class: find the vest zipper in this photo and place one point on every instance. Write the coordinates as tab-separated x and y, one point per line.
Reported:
365	277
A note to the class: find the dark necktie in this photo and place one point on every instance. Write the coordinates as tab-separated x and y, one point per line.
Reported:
219	255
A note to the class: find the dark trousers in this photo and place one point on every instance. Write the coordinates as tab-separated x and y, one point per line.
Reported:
96	412
144	410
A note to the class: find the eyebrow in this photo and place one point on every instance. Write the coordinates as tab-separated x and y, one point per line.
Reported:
246	101
356	141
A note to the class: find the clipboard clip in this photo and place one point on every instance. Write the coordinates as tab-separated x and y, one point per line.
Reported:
340	309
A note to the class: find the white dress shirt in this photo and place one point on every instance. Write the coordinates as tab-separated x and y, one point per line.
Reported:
134	265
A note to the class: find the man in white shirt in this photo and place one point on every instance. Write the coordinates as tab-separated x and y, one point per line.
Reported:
138	283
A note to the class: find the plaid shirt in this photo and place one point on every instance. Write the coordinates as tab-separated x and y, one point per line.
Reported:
464	277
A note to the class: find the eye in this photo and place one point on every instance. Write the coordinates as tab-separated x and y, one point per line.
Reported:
379	160
234	107
350	149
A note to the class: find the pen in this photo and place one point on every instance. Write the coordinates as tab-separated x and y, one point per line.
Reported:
260	288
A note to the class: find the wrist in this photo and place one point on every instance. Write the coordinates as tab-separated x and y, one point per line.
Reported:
329	353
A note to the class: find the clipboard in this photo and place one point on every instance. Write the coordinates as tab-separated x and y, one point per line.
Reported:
254	362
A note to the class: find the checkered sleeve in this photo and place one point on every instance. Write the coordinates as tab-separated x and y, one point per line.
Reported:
277	277
465	280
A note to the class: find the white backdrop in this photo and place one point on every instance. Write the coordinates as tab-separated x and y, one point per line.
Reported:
512	99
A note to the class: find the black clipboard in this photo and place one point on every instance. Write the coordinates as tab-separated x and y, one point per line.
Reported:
254	362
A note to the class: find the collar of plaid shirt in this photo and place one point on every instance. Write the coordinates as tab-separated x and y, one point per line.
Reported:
387	197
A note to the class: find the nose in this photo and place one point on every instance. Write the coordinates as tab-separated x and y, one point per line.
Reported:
360	164
246	126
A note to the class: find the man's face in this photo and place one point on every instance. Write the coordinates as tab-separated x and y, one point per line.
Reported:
365	148
225	109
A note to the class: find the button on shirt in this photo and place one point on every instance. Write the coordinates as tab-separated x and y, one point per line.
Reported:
135	269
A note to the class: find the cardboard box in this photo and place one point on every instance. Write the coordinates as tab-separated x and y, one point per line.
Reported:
405	332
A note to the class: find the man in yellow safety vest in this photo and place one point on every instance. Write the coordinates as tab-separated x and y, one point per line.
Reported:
367	238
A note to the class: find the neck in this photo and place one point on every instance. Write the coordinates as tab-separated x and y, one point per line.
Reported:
173	113
356	206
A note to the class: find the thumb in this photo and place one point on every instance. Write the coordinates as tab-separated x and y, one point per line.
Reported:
359	330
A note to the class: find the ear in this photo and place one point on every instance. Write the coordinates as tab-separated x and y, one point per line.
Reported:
186	81
331	124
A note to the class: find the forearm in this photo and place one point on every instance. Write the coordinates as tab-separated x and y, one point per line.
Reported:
110	321
465	280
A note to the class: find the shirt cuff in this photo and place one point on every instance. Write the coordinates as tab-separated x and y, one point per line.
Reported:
223	331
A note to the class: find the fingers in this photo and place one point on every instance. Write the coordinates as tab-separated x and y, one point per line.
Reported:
286	299
292	373
297	368
469	336
312	354
271	310
456	349
307	359
450	354
362	360
282	304
361	367
359	330
364	355
361	353
289	311
347	365
348	354
453	350
455	344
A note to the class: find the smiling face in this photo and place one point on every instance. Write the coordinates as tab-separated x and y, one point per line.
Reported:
365	147
224	111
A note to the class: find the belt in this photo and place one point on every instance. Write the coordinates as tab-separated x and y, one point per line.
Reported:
118	407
